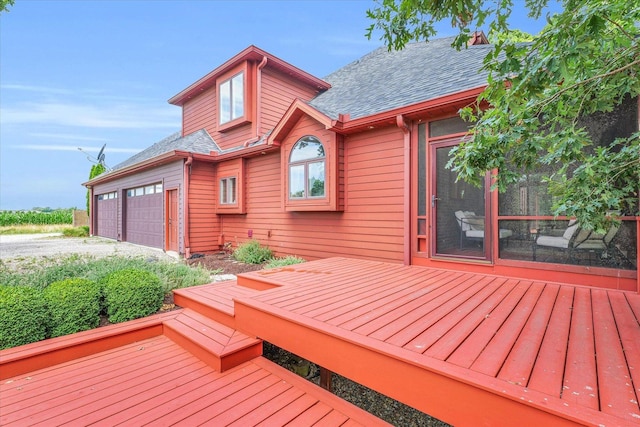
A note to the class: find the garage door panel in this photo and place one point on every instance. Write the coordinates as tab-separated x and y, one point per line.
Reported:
107	218
145	220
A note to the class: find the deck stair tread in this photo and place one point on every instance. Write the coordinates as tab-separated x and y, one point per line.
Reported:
220	346
214	300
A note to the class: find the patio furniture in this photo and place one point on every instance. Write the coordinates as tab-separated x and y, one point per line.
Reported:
471	227
576	238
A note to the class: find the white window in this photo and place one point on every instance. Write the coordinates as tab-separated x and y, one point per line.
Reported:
231	98
228	191
307	169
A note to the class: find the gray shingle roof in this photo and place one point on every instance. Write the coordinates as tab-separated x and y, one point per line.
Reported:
383	80
196	142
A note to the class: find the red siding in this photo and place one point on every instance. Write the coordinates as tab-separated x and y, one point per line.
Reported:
371	225
200	113
278	92
204	226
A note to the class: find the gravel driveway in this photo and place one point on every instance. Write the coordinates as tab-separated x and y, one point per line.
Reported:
52	244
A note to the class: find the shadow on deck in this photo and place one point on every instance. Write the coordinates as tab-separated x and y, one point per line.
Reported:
467	348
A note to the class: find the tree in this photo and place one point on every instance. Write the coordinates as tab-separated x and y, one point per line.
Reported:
96	170
585	61
4	5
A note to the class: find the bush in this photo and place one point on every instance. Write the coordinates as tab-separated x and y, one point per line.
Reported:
131	294
74	306
281	262
23	316
76	231
252	252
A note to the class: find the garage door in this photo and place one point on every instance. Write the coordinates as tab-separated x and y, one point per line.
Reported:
144	221
106	207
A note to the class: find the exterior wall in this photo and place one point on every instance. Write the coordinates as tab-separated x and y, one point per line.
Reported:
276	95
371	225
278	92
171	176
204	226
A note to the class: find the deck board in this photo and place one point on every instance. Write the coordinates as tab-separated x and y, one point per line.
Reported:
519	364
549	368
580	379
614	381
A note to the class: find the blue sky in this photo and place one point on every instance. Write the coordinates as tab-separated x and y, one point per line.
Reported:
87	73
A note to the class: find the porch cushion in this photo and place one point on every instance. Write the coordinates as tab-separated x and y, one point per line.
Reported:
553	241
571	228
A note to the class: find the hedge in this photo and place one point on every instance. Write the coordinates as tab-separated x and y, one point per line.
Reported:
131	294
74	306
23	315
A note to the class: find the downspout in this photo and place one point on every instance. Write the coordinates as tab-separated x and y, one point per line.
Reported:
185	183
400	122
258	102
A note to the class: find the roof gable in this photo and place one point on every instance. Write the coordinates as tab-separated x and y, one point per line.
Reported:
252	53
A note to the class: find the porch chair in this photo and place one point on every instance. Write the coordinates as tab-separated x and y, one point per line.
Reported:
576	238
471	227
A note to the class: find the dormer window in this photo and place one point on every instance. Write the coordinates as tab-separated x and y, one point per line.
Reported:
232	99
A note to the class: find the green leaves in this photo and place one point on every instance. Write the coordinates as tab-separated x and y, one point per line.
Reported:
586	61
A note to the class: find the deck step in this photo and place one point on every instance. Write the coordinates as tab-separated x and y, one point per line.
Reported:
220	346
214	300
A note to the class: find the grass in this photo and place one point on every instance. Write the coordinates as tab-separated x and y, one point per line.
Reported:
43	271
35	228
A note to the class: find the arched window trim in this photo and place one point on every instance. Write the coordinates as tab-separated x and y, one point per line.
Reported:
306	163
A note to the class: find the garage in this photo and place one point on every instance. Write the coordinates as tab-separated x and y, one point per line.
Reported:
144	216
106	207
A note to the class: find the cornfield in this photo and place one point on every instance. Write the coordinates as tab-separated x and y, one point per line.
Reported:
58	216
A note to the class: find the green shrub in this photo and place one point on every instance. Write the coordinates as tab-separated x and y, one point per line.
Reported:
74	306
281	262
41	272
131	294
252	252
76	231
23	315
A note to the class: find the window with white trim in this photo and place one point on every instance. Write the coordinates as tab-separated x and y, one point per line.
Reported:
307	163
231	98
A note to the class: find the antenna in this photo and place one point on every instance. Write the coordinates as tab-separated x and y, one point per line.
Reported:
99	159
101	156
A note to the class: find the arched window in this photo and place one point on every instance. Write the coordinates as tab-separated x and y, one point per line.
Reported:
307	169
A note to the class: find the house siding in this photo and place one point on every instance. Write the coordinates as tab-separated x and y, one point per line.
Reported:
371	225
171	176
278	92
204	226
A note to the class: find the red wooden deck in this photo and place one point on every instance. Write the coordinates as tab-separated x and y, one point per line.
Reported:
180	368
467	348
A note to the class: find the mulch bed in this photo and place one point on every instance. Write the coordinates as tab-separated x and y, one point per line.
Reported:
222	261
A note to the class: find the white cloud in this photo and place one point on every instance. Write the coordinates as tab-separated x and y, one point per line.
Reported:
91	116
68	136
32	88
45	147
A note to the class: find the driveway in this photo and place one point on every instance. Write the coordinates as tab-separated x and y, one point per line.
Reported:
19	246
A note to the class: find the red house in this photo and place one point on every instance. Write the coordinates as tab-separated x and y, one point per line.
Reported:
352	165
